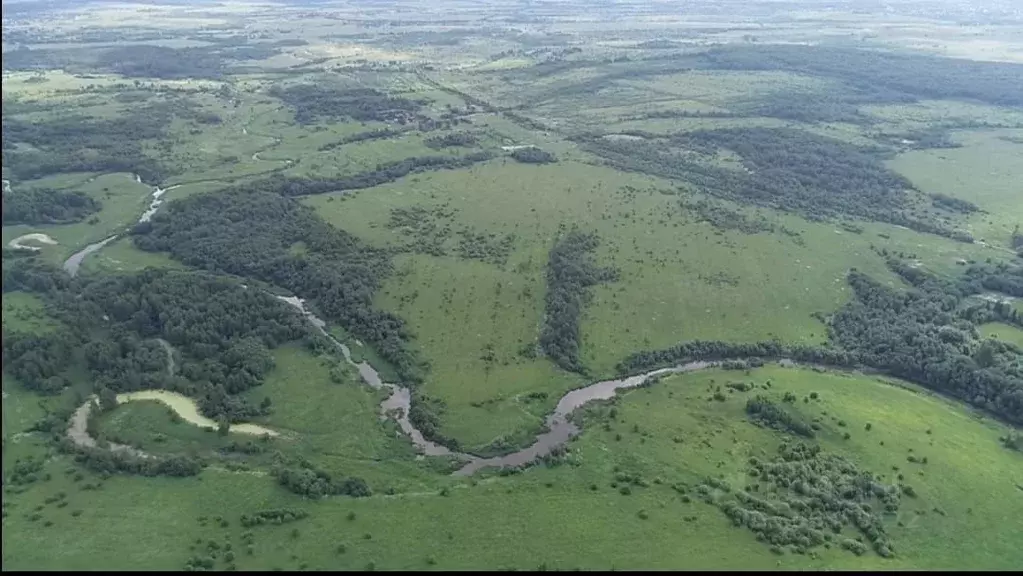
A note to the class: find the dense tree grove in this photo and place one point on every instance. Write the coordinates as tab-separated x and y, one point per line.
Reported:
251	232
223	332
306	480
925	335
466	139
46	206
533	155
785	168
570	272
805	498
769	414
313	102
998	278
39	361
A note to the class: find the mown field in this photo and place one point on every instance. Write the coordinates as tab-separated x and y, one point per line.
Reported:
728	174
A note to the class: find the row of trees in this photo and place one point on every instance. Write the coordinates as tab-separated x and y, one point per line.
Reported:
570	272
379	134
383	173
465	139
113	462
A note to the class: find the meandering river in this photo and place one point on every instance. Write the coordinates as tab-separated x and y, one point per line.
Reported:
559	428
74	262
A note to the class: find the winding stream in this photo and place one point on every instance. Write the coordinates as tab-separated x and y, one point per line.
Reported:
74	262
559	428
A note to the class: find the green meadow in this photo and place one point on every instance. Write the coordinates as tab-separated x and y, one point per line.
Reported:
628	123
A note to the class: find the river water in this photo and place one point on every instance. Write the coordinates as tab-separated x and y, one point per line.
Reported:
559	428
72	264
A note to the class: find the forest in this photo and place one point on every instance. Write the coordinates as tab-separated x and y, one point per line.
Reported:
250	232
313	103
223	333
47	206
140	60
570	273
787	169
72	143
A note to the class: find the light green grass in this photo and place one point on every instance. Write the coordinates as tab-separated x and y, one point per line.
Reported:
122	256
985	170
23	312
335	425
123	201
551	517
150	426
1003	332
668	289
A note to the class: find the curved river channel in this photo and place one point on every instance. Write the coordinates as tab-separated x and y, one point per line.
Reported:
559	429
72	264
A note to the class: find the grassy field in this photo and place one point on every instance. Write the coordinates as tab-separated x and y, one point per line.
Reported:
25	312
680	279
985	171
560	78
528	517
1003	332
123	202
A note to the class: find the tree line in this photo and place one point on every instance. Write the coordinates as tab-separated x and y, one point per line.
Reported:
924	335
383	173
570	273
